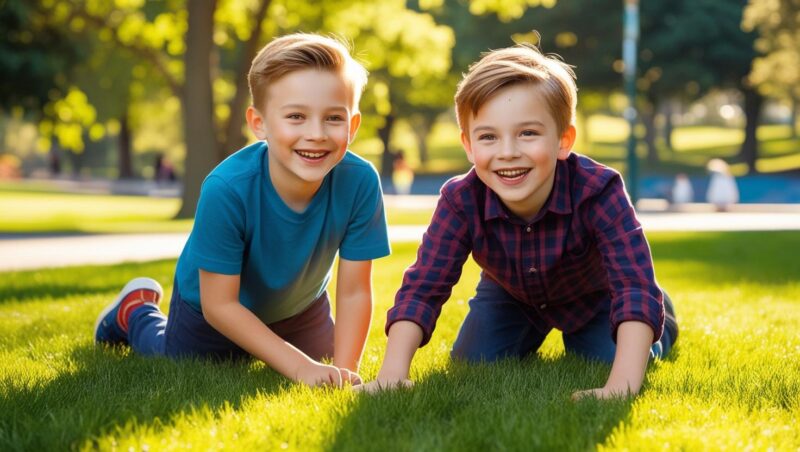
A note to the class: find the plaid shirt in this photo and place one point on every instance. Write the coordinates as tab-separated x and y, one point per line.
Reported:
583	248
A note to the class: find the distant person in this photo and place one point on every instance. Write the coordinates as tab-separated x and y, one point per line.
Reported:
554	233
164	172
722	190
402	174
271	220
682	192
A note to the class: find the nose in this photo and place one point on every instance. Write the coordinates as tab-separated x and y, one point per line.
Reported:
316	131
508	150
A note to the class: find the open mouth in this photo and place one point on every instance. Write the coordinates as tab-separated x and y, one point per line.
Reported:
512	175
312	155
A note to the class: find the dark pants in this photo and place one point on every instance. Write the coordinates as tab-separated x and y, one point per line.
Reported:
186	332
496	327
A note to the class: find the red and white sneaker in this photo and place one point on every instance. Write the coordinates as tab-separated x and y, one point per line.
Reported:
112	324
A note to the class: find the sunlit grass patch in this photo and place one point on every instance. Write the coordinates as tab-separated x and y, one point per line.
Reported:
733	382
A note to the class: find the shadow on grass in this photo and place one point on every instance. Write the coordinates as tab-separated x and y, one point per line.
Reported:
112	389
728	257
509	405
56	283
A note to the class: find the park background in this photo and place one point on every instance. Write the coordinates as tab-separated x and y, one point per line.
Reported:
94	92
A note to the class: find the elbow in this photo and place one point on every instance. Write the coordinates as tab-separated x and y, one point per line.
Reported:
213	314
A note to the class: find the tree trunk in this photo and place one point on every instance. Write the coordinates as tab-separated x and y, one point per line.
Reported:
669	127
752	110
387	158
54	159
197	104
423	123
125	164
649	120
234	138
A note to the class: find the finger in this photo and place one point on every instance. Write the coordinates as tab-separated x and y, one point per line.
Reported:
355	378
337	377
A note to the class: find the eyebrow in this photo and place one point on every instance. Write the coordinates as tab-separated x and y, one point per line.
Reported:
521	124
305	107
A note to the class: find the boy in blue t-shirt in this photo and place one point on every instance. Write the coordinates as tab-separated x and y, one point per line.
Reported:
270	221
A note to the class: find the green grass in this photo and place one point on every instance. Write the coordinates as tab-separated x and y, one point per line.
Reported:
732	383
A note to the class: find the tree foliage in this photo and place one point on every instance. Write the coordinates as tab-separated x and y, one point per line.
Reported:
777	23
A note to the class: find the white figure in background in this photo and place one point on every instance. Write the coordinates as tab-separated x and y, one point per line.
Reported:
682	191
722	190
402	174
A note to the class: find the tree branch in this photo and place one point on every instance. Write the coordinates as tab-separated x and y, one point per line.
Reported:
153	56
234	139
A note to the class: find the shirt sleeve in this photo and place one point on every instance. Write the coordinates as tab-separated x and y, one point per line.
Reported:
366	236
635	295
428	283
218	242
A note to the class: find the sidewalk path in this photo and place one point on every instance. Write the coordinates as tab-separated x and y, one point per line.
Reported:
25	253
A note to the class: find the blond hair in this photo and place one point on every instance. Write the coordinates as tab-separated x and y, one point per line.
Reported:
522	63
300	51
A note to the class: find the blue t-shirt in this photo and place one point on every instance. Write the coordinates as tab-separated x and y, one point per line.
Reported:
285	259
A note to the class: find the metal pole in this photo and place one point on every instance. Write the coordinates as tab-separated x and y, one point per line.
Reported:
629	47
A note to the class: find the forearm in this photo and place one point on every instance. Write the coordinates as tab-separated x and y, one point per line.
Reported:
403	342
247	331
630	362
353	315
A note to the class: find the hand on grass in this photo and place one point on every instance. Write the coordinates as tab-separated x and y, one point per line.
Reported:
382	385
316	374
603	393
348	376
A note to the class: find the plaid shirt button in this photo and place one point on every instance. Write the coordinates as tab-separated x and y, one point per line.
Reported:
543	305
532	270
528	229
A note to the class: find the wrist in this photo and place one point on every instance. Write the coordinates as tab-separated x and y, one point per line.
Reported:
392	372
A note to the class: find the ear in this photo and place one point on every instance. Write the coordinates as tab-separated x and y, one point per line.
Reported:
566	142
256	123
467	147
355	122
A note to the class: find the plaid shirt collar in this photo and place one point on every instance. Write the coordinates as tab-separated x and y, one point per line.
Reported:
558	202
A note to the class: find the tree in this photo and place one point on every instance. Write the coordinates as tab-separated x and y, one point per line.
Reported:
34	57
775	72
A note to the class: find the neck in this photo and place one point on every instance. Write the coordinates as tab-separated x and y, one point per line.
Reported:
296	194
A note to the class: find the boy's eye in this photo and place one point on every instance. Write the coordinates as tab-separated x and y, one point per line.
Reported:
529	133
486	137
294	116
336	118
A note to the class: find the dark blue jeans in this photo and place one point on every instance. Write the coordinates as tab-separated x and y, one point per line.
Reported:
497	327
186	332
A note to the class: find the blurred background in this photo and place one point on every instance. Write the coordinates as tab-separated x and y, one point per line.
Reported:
146	97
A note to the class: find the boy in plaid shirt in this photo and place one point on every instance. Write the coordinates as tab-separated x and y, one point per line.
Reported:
553	231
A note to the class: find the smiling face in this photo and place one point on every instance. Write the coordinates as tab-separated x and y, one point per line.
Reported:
514	143
308	122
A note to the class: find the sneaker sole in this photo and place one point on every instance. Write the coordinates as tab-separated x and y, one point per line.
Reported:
134	284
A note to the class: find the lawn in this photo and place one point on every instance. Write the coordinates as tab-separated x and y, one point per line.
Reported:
732	383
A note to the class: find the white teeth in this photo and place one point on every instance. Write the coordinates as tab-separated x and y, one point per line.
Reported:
312	155
512	173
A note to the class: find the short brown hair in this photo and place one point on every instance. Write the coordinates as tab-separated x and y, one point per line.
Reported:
299	51
522	63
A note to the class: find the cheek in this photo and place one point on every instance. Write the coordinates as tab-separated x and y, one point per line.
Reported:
481	157
340	135
283	134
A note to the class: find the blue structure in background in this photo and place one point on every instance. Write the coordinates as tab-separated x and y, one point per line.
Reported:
760	188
